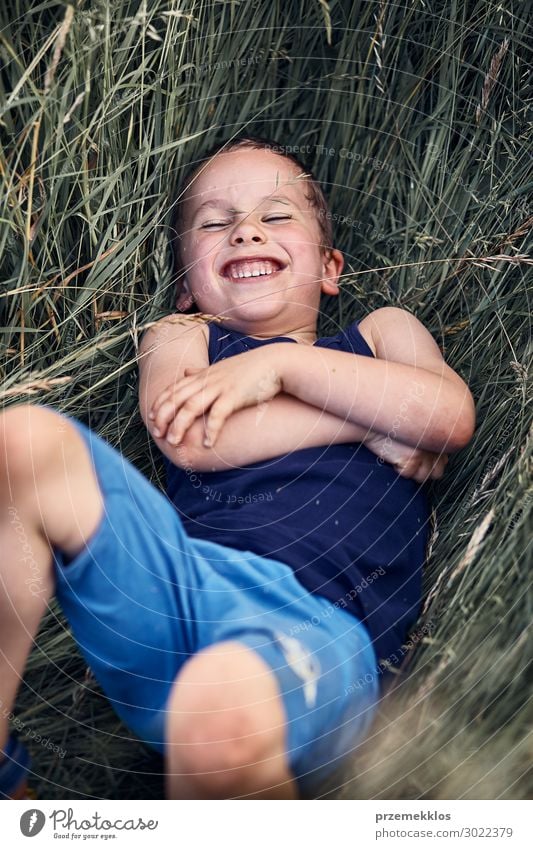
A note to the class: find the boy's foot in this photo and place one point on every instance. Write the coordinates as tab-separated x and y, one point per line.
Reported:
14	766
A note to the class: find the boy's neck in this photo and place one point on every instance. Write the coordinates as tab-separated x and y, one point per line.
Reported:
304	336
303	339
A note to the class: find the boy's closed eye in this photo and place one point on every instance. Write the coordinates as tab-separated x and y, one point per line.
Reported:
227	223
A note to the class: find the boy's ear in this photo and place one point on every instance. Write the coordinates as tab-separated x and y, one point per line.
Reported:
184	299
332	264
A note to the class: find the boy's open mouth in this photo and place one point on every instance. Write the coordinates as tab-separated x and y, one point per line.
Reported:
251	267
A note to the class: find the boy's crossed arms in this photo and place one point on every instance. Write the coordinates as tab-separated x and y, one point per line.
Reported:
406	405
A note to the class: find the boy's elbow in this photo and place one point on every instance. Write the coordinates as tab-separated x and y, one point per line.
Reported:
204	459
184	455
189	455
465	429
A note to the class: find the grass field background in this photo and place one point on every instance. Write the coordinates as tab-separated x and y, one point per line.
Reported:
415	118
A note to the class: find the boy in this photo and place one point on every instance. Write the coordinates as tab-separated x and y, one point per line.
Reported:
240	638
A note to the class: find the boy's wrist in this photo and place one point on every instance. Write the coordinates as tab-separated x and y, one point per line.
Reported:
288	365
303	373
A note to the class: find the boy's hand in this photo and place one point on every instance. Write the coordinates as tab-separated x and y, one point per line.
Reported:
221	388
409	462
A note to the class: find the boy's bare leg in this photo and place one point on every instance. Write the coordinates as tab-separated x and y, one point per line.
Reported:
49	495
225	701
226	729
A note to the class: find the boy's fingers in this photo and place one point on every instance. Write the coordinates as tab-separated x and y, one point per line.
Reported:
157	403
170	407
163	417
439	467
180	426
169	392
218	414
195	406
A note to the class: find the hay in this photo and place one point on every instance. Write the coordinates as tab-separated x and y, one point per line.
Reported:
414	119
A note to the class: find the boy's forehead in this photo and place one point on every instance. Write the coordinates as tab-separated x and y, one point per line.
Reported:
256	173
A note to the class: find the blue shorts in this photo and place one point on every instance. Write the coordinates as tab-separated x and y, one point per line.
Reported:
143	596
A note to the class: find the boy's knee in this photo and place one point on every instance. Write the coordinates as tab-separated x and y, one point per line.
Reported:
224	718
212	750
28	435
46	470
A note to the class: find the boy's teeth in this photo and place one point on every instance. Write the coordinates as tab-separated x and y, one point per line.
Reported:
251	269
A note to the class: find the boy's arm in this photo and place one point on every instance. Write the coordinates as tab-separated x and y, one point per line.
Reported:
408	392
413	400
165	350
249	435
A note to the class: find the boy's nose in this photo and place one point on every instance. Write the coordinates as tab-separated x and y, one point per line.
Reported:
238	240
246	231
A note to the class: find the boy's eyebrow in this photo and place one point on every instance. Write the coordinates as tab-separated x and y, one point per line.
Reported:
218	203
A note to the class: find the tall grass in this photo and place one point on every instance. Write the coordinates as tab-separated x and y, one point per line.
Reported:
414	117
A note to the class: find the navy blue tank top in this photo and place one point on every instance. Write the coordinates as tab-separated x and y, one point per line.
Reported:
351	528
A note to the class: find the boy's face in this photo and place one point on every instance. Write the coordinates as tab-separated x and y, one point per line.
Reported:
250	205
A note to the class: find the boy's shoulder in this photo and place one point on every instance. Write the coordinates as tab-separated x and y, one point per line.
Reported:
174	326
384	322
365	329
369	326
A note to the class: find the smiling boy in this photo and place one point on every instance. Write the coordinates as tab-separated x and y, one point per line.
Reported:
226	630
